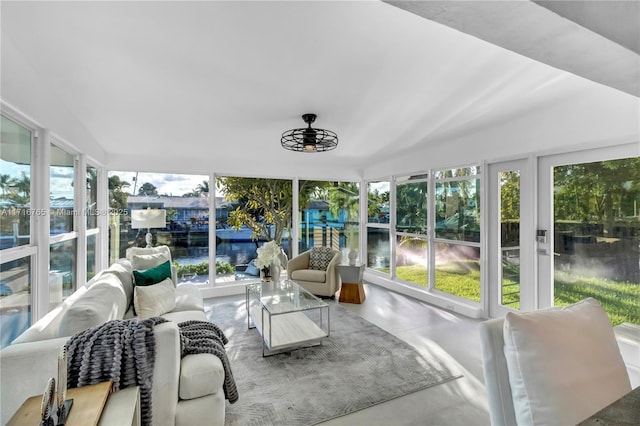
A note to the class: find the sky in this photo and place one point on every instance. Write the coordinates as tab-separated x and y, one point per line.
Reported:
61	179
171	184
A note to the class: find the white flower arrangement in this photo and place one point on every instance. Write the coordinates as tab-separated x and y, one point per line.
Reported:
268	253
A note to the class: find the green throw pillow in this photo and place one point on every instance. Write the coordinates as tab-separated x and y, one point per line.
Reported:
153	275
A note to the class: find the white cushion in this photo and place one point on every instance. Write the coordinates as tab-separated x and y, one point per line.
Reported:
133	251
200	375
103	301
48	327
140	262
309	275
123	271
154	300
188	298
564	363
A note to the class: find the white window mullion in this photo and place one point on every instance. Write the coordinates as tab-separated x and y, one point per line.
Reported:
392	226
295	216
102	244
41	154
80	218
213	222
431	221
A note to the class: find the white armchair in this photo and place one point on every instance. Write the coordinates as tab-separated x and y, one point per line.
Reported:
317	270
552	366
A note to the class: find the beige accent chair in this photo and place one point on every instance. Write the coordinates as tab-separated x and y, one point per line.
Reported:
319	282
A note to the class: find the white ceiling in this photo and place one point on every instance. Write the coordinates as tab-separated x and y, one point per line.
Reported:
211	85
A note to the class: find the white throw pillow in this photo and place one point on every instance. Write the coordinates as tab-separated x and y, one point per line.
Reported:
564	363
140	262
132	251
154	300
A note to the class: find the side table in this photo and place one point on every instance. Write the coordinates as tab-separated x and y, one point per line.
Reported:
92	405
352	290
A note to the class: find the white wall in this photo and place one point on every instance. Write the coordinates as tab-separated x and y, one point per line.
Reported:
597	118
43	104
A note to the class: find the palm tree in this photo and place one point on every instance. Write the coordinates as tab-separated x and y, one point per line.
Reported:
24	185
5	181
202	189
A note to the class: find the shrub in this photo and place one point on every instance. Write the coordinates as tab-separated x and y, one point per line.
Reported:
202	268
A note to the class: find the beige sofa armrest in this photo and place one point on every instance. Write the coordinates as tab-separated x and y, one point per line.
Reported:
166	373
299	262
333	274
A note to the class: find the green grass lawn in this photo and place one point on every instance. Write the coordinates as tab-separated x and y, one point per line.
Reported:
621	300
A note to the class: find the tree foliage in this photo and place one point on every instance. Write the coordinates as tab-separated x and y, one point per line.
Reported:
21	188
599	192
510	196
148	189
261	203
411	206
117	196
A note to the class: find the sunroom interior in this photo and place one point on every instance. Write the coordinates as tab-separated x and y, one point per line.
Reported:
488	157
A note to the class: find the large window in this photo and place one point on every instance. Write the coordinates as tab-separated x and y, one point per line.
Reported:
596	236
62	270
15	181
62	214
61	191
457	232
15	299
411	229
249	212
329	215
91	210
16	213
185	202
509	192
378	242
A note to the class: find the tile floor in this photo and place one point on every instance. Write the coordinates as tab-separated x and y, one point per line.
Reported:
459	402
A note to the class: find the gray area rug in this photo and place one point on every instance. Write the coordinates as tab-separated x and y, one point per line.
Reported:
358	366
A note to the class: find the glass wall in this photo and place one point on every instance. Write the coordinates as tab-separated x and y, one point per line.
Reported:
62	271
92	198
510	238
249	212
92	252
596	236
15	185
457	232
411	229
61	192
15	299
15	229
329	215
378	238
185	200
62	213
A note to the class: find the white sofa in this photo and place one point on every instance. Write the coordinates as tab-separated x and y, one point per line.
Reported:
551	366
186	391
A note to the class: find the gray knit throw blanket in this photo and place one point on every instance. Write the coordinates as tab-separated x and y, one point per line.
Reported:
123	351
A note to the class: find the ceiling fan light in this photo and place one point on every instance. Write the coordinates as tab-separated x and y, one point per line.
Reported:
309	139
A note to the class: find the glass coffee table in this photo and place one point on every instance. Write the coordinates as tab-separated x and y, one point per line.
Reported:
286	315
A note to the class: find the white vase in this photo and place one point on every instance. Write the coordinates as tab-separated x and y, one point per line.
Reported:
275	270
